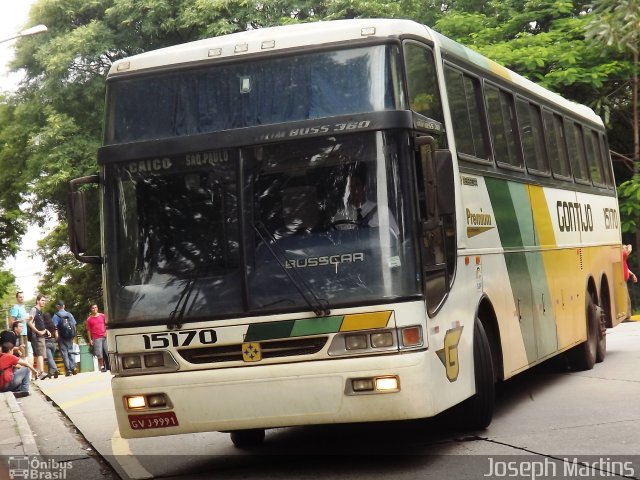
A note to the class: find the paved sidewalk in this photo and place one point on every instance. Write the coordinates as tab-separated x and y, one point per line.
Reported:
17	438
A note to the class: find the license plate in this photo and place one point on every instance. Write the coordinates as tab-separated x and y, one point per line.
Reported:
153	420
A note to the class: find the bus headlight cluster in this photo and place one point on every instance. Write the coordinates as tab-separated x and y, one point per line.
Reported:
376	341
141	363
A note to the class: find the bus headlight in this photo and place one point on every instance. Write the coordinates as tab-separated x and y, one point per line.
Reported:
382	340
131	361
355	342
152	360
142	363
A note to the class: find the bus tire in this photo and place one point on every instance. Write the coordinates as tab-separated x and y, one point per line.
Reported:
476	412
248	438
601	348
583	356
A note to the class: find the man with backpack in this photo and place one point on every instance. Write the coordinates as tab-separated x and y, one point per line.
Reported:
66	326
14	379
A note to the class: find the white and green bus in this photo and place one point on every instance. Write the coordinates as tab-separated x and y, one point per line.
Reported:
345	221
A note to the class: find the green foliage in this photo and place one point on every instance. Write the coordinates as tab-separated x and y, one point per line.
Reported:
629	199
51	128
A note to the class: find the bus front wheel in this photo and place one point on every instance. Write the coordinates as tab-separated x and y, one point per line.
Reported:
248	438
476	412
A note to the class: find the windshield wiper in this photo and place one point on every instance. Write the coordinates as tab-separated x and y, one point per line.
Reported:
176	316
320	306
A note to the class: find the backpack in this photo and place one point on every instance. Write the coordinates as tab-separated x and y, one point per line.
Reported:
66	328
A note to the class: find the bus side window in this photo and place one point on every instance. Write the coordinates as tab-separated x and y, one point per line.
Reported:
573	137
554	132
466	114
604	154
501	115
594	159
532	136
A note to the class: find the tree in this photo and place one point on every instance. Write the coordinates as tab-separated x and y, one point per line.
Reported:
616	24
51	128
616	27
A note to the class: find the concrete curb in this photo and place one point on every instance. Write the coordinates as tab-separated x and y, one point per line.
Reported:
24	430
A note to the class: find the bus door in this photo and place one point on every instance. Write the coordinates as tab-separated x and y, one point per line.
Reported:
435	187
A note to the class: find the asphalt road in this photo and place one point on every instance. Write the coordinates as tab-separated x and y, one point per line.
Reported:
549	423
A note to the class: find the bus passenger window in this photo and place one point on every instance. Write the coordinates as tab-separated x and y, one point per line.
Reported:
593	156
463	94
501	113
554	133
576	151
532	136
604	153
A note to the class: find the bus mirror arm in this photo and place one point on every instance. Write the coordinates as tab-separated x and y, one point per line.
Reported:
77	218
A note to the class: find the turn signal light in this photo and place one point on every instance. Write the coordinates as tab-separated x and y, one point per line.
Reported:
411	336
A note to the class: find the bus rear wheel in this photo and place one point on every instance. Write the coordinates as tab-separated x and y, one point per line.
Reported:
601	350
248	438
583	356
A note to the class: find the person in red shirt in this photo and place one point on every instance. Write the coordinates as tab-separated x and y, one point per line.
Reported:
14	379
626	251
97	332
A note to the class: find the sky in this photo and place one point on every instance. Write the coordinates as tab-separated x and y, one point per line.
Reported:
13	17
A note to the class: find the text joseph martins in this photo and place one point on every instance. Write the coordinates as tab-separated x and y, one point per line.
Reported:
559	468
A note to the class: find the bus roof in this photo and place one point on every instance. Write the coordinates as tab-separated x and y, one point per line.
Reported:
269	39
324	32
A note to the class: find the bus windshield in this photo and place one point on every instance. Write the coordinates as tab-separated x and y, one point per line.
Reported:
236	95
237	221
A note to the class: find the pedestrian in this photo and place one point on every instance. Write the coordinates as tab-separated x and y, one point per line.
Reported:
14	372
51	342
97	331
38	334
19	313
66	326
626	251
14	336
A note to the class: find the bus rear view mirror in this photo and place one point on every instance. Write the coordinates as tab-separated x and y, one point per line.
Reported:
79	220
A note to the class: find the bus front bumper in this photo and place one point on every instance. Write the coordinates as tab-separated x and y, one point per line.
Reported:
319	392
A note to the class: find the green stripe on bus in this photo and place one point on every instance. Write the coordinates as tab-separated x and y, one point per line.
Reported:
268	331
505	212
317	326
512	210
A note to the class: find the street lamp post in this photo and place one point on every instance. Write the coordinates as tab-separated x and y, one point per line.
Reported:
28	32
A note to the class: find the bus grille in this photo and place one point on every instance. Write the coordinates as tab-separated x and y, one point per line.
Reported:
271	349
